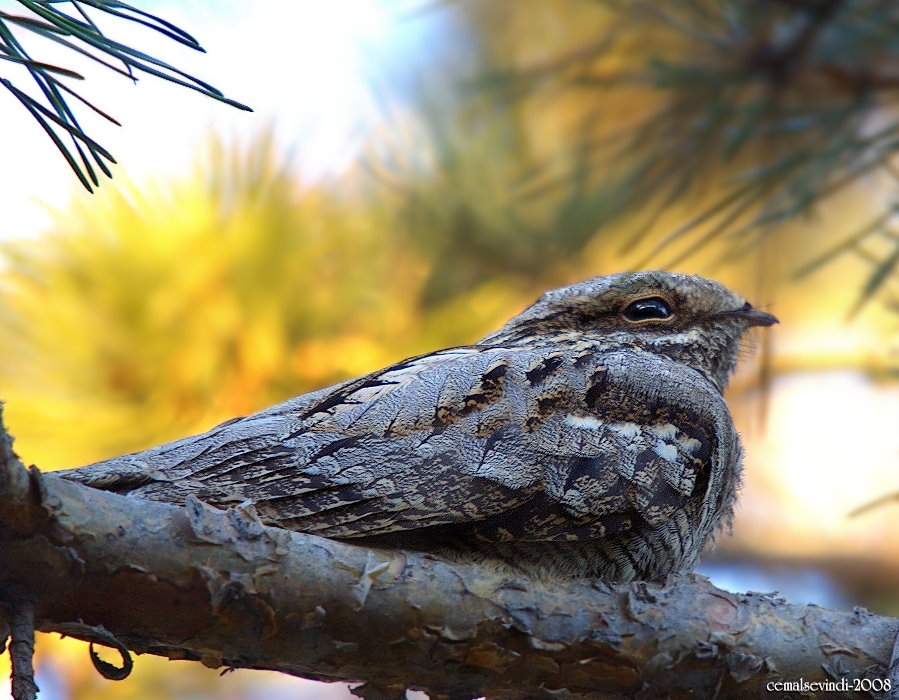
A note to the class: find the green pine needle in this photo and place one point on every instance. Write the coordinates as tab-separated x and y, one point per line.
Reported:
79	33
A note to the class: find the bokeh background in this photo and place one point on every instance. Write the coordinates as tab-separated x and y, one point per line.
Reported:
413	174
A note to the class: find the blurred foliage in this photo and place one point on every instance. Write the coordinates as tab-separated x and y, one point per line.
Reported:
455	177
158	309
739	114
79	33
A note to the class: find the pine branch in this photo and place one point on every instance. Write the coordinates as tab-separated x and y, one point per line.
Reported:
77	32
221	588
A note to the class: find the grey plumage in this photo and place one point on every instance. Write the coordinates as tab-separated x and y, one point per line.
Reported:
587	437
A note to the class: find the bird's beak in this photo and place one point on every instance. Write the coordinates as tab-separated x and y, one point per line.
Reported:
755	317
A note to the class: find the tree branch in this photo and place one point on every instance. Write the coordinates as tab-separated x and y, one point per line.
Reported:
21	651
221	588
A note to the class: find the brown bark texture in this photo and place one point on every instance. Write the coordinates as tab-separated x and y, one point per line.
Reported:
222	588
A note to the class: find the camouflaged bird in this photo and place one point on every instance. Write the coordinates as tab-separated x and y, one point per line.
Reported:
587	437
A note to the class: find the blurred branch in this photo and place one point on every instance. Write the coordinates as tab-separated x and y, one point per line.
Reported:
772	106
78	33
221	588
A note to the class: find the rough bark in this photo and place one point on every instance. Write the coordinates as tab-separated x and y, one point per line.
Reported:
220	587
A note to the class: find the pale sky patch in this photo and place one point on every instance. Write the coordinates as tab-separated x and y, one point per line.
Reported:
315	72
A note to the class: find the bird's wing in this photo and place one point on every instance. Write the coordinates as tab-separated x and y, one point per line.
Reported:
532	444
399	449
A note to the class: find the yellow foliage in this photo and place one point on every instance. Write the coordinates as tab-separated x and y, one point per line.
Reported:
158	311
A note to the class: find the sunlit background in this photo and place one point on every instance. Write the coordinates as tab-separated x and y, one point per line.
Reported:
374	206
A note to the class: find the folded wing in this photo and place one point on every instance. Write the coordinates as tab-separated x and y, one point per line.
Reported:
508	444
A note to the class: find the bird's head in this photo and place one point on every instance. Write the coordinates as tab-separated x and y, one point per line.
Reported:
692	320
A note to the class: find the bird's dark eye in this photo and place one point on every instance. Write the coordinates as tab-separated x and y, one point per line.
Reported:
653	308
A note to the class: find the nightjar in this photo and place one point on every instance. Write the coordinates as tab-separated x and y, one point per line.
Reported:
587	437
